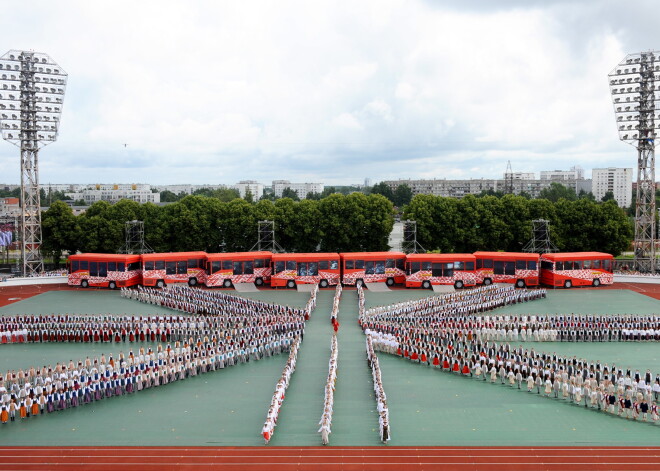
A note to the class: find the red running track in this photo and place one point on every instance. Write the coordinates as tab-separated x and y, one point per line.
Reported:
330	458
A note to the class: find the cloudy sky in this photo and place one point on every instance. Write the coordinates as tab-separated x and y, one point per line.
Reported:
330	91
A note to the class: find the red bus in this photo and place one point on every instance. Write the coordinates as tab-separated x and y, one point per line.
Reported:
104	270
225	269
158	269
290	269
430	269
577	269
373	267
508	267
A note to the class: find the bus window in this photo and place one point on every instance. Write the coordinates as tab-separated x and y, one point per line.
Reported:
227	265
215	266
312	269
559	266
596	264
447	269
389	263
587	265
498	267
521	265
369	268
478	263
279	266
400	263
436	269
426	266
488	263
160	265
546	265
103	269
74	266
120	266
259	263
359	264
193	263
182	267
112	266
334	264
84	265
414	267
607	265
509	268
531	265
248	267
323	265
349	264
577	265
170	268
380	267
238	268
458	265
469	266
93	269
302	269
290	265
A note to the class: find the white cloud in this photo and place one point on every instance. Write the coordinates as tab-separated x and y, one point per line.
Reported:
216	92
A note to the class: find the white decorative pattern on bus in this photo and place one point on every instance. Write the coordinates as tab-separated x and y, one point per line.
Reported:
467	277
76	278
218	278
198	273
350	278
488	273
587	274
333	278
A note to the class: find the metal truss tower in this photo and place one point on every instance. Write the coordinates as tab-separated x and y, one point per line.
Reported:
135	243
410	244
634	86
540	242
32	88
266	239
508	179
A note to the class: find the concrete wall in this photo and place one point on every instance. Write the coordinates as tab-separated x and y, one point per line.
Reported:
46	280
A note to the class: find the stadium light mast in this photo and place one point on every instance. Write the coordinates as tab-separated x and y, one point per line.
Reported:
635	88
32	88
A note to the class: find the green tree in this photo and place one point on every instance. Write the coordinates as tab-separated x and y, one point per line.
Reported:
402	195
557	191
608	196
383	189
248	196
167	196
60	231
289	193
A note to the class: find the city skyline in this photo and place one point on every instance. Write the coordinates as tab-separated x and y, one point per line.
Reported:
170	92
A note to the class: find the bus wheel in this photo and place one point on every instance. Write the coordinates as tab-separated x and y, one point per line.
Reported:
112	285
520	284
458	284
359	283
596	283
426	284
390	282
226	283
160	284
488	281
323	284
192	281
84	284
259	282
290	284
568	284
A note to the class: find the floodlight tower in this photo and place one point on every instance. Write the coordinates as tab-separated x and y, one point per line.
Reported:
635	88
32	90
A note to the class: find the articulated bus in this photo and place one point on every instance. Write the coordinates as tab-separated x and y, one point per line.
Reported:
577	269
225	269
104	270
373	267
508	267
430	269
159	269
290	269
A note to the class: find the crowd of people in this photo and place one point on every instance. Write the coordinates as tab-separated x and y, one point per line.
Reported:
379	392
334	312
453	340
280	389
329	396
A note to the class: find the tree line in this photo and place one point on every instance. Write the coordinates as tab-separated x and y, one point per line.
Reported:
491	223
337	223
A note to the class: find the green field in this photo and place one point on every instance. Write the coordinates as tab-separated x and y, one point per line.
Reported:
427	406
